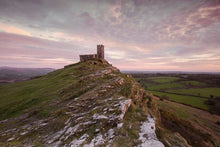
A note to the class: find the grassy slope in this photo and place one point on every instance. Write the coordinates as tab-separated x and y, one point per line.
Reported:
46	97
200	125
41	93
189	100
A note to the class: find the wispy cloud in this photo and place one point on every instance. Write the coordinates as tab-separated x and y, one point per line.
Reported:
14	30
137	34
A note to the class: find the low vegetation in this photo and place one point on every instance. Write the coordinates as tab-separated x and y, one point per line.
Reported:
177	97
83	103
184	88
198	127
93	103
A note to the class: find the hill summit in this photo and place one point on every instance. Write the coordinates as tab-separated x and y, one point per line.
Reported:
89	103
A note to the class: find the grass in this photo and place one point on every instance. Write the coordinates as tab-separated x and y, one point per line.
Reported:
17	97
195	125
164	86
179	89
163	79
189	100
129	132
204	92
193	83
203	123
44	92
173	85
178	111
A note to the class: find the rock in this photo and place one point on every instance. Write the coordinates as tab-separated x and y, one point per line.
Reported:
147	134
124	105
91	116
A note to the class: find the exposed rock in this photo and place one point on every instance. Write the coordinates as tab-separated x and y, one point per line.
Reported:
97	116
92	116
124	105
147	135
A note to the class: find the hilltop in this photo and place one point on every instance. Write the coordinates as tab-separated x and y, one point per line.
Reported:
89	103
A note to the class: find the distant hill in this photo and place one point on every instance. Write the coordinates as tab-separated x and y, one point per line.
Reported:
12	74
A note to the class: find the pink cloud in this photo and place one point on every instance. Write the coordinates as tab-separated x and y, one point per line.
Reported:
18	49
12	29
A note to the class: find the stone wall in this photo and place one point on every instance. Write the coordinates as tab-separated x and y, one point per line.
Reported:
87	57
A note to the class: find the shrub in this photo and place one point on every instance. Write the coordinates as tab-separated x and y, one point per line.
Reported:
149	103
164	97
215	108
210	102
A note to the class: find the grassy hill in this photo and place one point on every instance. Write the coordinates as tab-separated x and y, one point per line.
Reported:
84	103
44	92
92	103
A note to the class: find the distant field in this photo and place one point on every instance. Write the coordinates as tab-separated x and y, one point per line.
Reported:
177	97
185	89
163	79
204	92
164	86
193	83
189	100
173	85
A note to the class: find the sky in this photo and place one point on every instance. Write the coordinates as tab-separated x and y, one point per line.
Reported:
150	35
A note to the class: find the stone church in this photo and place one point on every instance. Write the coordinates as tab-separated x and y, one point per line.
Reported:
99	55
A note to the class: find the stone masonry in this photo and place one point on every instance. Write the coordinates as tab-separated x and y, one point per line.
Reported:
99	55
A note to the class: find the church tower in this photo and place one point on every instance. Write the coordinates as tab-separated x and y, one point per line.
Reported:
100	51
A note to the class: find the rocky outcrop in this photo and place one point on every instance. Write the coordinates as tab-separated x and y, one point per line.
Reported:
124	105
147	134
97	114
